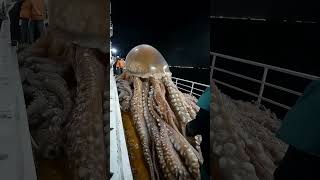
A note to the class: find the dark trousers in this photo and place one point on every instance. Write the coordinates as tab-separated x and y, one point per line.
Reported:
25	33
201	126
36	29
298	165
14	15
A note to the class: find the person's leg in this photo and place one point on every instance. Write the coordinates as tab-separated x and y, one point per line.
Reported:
14	15
39	25
31	31
24	31
12	26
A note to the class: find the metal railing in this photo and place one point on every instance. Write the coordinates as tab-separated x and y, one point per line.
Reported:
262	82
190	86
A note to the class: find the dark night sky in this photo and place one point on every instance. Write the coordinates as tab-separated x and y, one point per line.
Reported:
178	29
183	33
307	10
288	44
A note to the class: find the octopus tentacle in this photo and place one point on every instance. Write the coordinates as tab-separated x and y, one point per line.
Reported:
176	167
62	92
192	101
49	141
139	122
188	106
152	128
39	102
125	94
157	139
85	140
165	110
191	156
48	68
177	103
56	84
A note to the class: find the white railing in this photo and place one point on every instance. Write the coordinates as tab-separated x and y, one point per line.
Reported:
262	82
190	86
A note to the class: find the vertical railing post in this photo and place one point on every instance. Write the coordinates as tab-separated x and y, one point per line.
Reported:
263	81
212	66
176	82
191	88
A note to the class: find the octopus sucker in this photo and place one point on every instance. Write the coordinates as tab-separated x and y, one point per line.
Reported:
242	144
153	131
178	105
89	72
159	96
177	169
140	123
160	113
64	84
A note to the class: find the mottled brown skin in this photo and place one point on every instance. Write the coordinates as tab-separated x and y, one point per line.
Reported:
177	104
140	124
85	137
175	166
164	108
172	156
160	113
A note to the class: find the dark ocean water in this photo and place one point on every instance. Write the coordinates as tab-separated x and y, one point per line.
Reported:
194	74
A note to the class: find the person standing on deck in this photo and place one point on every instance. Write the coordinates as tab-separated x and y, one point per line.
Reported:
38	15
14	10
300	129
120	65
201	125
25	16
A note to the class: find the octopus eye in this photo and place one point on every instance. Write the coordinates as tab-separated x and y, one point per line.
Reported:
146	61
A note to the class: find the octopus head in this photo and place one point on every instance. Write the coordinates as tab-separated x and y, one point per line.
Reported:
145	61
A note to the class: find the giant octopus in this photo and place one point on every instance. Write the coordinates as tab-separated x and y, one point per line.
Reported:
64	78
159	114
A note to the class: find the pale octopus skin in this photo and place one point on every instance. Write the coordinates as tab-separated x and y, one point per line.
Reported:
242	147
75	121
160	113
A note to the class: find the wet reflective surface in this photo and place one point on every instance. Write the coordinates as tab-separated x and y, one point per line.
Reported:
144	61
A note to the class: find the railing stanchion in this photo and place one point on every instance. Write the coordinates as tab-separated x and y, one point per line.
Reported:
212	66
263	81
191	88
176	82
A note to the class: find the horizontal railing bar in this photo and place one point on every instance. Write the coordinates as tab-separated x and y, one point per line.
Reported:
193	93
283	70
196	94
237	75
189	87
276	103
190	81
284	89
252	94
236	88
184	85
198	89
183	89
258	81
